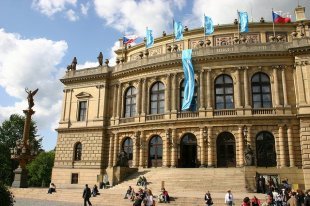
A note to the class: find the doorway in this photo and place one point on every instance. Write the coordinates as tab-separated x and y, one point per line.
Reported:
226	150
188	151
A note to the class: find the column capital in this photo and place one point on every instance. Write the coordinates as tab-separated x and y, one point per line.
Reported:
100	86
67	90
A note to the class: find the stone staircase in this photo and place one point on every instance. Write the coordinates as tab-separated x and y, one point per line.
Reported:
186	186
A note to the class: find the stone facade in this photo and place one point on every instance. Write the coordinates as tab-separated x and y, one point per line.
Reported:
96	103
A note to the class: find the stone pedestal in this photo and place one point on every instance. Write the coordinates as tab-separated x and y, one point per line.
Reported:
20	178
118	174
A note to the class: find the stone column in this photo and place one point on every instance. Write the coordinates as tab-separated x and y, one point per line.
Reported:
241	146
291	146
209	92
201	91
276	86
111	151
116	147
167	95
246	87
135	159
166	156
119	101
139	94
70	103
115	101
284	87
203	147
144	96
64	107
282	147
238	90
300	84
211	148
174	149
142	147
174	94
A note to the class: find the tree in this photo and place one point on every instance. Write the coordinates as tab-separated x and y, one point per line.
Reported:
11	130
6	196
40	169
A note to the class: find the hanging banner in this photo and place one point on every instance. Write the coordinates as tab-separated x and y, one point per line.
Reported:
189	79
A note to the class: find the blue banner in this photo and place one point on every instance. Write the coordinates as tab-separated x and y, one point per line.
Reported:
208	24
149	38
244	22
178	31
189	79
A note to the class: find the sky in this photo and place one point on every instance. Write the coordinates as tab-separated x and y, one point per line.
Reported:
39	38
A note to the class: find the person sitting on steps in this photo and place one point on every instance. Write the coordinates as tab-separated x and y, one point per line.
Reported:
95	191
128	192
52	188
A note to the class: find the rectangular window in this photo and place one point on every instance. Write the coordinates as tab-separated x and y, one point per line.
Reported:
74	178
82	111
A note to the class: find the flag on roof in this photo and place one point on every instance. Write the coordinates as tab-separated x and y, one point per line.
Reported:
277	18
129	39
244	21
178	30
149	38
208	24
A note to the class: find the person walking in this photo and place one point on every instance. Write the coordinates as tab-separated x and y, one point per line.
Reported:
229	199
208	199
86	195
307	198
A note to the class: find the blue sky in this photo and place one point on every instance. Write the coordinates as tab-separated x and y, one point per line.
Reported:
39	38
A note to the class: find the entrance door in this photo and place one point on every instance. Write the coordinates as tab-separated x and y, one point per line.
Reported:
265	150
155	152
226	150
127	147
188	151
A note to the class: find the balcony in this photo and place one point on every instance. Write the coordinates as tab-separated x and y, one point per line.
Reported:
126	120
263	111
182	115
154	117
225	112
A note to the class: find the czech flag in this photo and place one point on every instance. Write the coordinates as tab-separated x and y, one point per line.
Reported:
279	19
129	39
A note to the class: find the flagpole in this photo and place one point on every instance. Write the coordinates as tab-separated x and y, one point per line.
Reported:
204	26
274	32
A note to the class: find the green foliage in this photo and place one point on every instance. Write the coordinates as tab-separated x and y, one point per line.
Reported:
40	169
6	197
11	130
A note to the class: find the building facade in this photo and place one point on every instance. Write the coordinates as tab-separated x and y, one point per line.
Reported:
251	89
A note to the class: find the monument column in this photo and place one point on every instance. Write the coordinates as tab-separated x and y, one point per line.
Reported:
141	156
116	151
173	150
241	146
202	90
211	148
291	146
111	151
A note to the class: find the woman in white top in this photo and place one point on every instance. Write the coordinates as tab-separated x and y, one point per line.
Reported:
229	199
149	199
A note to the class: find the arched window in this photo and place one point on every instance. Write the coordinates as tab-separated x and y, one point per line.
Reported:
157	100
78	151
130	102
261	92
224	92
127	147
265	150
155	152
194	105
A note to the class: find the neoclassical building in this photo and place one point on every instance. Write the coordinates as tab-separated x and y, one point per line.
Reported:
251	89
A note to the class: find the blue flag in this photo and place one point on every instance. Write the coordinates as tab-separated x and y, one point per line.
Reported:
149	38
208	24
189	80
178	30
244	22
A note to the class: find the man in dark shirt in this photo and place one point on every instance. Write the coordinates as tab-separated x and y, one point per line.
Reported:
307	198
86	195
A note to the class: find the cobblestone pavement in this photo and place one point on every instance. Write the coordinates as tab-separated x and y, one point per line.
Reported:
35	202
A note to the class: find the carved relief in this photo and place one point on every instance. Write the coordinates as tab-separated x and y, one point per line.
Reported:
155	51
135	57
280	36
224	40
179	44
194	43
251	38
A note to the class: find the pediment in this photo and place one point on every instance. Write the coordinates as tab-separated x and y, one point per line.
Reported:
83	95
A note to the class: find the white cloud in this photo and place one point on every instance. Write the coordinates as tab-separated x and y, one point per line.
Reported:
50	7
71	15
32	63
87	64
112	60
134	16
85	8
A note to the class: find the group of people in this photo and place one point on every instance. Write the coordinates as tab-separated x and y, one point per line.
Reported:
145	196
142	181
87	193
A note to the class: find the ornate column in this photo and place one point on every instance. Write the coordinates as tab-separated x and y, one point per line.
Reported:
64	107
282	147
209	92
119	101
246	87
139	94
141	156
166	149
238	90
174	95
202	146
201	91
70	103
167	94
284	87
276	86
300	84
173	150
211	148
115	101
101	106
116	146
111	151
136	142
291	146
144	96
241	146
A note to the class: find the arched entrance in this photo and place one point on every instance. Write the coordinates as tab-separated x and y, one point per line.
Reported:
155	152
127	147
226	150
265	150
188	151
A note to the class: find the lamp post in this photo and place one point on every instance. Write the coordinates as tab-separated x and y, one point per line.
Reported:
23	151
